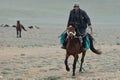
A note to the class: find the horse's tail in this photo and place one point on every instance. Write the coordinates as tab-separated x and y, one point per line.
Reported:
92	46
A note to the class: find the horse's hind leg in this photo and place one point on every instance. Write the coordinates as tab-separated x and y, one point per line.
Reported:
82	60
74	64
66	62
20	34
17	34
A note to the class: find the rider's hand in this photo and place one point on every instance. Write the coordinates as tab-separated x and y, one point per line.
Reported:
90	27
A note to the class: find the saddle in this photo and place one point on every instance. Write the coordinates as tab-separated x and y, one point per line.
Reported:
84	39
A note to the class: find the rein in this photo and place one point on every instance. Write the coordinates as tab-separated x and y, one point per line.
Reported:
83	35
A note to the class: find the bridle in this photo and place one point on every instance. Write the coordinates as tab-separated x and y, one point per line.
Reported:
73	35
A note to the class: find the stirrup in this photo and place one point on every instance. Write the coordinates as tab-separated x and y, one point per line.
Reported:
63	47
84	49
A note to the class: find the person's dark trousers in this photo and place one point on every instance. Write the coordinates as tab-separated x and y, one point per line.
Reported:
84	39
81	32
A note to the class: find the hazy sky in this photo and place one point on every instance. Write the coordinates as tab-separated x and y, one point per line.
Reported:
57	11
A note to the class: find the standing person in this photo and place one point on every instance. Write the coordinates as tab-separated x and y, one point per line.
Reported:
79	19
19	28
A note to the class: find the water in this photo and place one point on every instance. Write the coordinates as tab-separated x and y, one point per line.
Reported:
56	12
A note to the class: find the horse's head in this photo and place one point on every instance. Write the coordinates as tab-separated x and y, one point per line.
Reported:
71	32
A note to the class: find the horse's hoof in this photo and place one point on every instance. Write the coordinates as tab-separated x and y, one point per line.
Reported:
80	71
68	69
73	75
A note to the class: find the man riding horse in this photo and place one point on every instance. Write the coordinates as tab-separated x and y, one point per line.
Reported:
75	40
79	19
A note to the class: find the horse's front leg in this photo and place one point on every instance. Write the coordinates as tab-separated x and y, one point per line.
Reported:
74	64
82	60
66	62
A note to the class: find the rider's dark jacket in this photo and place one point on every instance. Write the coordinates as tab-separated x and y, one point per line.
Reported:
78	19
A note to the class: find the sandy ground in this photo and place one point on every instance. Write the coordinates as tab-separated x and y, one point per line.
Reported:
37	56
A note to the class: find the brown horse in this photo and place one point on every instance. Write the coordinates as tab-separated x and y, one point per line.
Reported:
74	47
19	28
